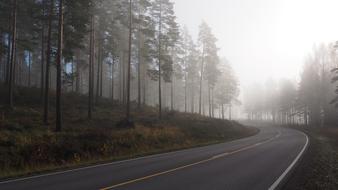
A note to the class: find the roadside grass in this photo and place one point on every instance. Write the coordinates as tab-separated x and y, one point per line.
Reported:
319	167
28	147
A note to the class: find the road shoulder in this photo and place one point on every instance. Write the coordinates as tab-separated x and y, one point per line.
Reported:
319	167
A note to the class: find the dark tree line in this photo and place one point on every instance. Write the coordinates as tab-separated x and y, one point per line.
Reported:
126	50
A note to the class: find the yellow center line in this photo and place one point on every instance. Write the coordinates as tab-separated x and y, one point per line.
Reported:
193	164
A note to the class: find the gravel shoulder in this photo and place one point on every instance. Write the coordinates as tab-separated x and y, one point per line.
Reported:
319	167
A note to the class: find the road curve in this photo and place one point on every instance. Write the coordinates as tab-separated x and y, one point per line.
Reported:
258	162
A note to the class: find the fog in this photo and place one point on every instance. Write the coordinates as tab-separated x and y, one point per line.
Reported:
218	58
250	85
263	38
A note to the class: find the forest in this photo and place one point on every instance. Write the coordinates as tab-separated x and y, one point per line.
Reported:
158	94
90	81
133	52
310	101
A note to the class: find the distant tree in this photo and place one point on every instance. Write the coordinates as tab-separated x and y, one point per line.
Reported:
271	103
227	89
209	61
287	101
309	92
177	54
190	62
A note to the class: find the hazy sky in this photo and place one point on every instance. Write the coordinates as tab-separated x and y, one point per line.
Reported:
263	38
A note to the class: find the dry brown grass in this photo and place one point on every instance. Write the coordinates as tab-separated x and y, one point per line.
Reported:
27	146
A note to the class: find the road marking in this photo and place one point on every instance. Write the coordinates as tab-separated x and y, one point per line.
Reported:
193	164
100	165
108	164
281	178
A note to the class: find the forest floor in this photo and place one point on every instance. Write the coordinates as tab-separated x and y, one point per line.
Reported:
28	147
319	166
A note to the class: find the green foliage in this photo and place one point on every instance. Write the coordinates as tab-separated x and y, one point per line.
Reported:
167	35
76	23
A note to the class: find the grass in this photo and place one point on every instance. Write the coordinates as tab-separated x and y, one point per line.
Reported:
28	147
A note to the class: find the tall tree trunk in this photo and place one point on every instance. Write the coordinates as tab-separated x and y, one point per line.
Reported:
121	77
77	73
129	62
192	99
98	72
91	72
2	64
164	95
13	54
59	69
159	64
144	88
230	111
18	70
42	51
72	75
9	49
306	116
42	61
212	103
192	95
29	68
139	61
124	78
185	91
48	57
201	83
203	106
209	100
112	79
101	76
77	77
172	94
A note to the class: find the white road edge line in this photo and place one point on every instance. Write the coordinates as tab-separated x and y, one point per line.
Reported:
281	178
110	163
90	167
193	164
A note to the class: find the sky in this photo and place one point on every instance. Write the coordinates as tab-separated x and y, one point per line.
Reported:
263	39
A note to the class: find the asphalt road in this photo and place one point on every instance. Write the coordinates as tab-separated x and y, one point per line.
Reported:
258	162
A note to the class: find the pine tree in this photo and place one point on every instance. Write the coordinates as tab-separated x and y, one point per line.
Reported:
91	67
48	62
129	61
59	69
13	55
209	61
167	36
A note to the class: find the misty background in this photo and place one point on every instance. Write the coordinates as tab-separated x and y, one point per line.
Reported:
263	39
